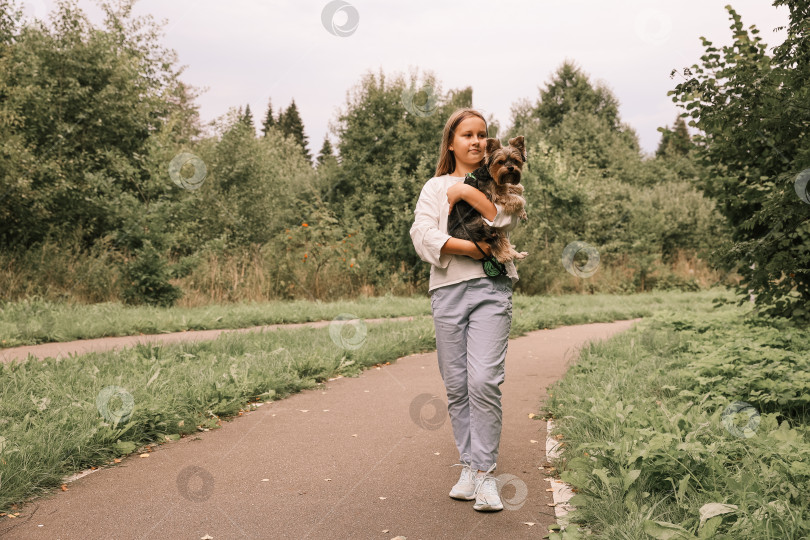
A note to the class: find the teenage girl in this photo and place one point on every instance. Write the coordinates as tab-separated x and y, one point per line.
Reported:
472	313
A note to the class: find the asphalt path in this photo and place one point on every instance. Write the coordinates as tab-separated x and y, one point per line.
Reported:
355	458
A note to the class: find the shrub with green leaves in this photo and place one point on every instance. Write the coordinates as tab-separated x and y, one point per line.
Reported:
146	279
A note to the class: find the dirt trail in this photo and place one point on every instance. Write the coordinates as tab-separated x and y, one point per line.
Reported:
351	459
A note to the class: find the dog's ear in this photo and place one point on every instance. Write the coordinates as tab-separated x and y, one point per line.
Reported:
518	143
492	145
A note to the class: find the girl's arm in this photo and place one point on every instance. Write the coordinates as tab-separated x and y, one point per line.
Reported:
457	246
493	214
431	244
475	197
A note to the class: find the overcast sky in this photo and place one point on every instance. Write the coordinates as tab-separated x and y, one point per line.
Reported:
246	51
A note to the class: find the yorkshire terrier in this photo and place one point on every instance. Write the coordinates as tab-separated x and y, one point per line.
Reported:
499	180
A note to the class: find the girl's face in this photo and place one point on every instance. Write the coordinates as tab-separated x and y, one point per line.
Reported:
469	143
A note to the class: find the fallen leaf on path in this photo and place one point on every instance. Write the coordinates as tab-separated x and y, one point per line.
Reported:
355	435
532	441
383	498
328	479
206	537
144	455
265	479
529	523
435	453
64	487
304	410
532	415
385	531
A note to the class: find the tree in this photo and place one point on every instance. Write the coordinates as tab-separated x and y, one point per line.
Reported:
675	141
269	121
570	90
752	112
247	119
326	151
291	125
79	107
582	120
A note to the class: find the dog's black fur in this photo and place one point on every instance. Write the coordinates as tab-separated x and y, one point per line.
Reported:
462	210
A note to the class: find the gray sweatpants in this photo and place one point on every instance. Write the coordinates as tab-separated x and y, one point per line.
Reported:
472	320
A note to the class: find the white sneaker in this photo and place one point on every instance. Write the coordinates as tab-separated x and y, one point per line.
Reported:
465	487
486	494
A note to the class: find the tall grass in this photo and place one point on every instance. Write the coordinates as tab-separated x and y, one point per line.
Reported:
65	272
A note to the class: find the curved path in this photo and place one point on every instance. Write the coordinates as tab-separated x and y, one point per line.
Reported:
365	457
61	350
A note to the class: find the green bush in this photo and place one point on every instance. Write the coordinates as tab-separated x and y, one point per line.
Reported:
146	279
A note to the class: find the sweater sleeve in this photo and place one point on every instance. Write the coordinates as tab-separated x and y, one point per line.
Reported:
426	235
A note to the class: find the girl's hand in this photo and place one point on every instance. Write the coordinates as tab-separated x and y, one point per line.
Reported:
455	193
484	247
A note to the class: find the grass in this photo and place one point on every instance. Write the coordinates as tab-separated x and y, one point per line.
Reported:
56	418
38	321
656	441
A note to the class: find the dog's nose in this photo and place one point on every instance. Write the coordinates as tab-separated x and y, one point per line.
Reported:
511	168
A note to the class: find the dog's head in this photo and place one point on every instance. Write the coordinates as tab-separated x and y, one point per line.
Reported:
505	164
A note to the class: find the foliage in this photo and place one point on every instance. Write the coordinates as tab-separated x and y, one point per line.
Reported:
146	279
752	111
79	105
693	425
290	124
675	141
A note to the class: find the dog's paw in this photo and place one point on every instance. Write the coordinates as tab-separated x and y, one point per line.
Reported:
521	255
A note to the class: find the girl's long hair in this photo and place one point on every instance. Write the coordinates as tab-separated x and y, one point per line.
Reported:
447	160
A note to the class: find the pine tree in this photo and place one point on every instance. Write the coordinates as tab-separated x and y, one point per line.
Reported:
570	90
326	151
292	126
269	121
247	119
675	141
